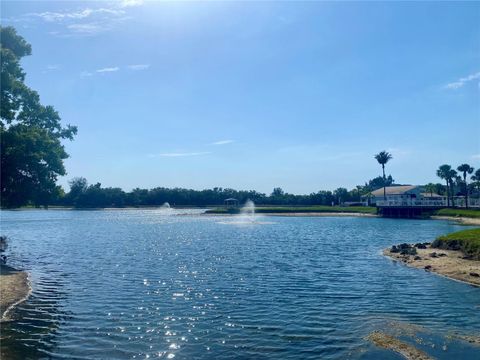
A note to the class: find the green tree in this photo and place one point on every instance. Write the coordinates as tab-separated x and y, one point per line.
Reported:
430	188
378	182
278	192
382	158
476	180
446	173
31	150
78	187
360	189
465	169
341	195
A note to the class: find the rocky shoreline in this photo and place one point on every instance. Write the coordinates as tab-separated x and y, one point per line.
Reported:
449	263
14	287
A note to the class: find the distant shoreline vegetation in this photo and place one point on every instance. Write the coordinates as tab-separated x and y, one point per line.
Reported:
83	195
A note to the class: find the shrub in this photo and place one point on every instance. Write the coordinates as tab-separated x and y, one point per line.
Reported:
467	241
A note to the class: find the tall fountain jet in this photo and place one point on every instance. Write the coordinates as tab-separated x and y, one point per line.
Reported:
165	205
247	212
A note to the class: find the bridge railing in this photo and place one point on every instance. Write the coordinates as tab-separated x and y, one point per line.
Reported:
411	202
457	202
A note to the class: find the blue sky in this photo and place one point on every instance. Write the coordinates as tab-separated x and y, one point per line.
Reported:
255	95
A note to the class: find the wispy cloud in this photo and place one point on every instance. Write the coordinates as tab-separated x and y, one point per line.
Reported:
85	29
462	81
51	68
222	142
51	16
130	3
85	74
86	21
111	69
137	67
108	69
476	157
180	154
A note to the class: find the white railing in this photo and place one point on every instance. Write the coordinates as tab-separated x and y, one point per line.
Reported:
457	202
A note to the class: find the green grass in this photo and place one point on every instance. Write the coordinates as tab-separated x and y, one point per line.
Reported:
468	241
300	209
470	213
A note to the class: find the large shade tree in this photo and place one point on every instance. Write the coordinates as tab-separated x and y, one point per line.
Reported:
382	158
465	169
31	150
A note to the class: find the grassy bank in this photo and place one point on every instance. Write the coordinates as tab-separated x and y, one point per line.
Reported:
299	209
467	241
469	213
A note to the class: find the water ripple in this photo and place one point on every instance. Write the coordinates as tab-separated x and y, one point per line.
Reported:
136	284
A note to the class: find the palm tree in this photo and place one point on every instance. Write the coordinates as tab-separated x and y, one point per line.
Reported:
465	168
444	172
383	157
430	187
454	179
359	190
476	179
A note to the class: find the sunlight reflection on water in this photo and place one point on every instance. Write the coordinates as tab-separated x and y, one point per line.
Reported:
139	283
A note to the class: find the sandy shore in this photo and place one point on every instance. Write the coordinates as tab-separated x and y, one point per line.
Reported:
448	263
461	220
14	289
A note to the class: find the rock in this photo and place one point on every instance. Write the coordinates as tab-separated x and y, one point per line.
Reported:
474	274
442	254
404	249
428	267
417	258
408	251
433	255
3	243
394	249
420	246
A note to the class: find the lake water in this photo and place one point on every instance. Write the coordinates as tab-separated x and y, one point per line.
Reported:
126	284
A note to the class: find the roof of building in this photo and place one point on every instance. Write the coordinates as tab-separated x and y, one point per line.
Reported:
230	199
395	190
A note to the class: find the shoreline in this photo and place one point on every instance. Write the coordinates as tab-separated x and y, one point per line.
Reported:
300	214
461	220
15	288
447	263
326	214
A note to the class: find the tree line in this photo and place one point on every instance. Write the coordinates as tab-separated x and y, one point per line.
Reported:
456	183
83	195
